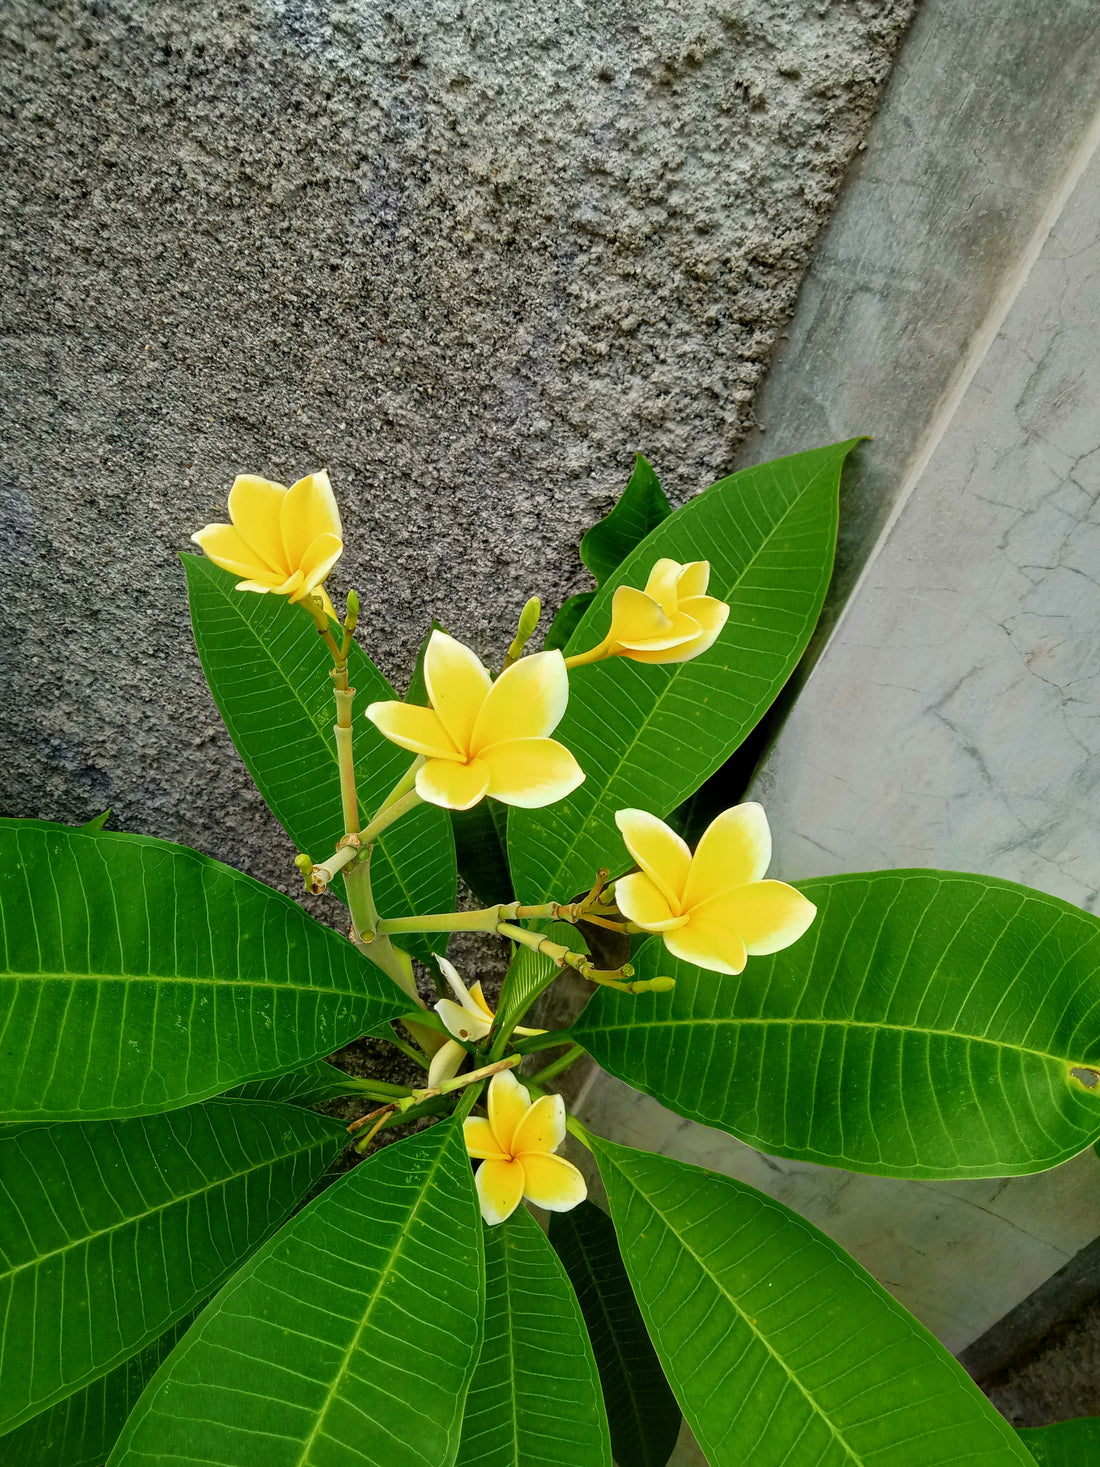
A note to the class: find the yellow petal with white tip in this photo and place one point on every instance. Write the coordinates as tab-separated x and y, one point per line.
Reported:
683	634
499	1189
768	915
692	580
446	1062
659	851
550	1181
320	557
542	1128
735	848
478	999
707	945
526	702
413	728
661	584
454	786
642	902
227	547
531	773
459	1021
457	685
255	506
508	1103
636	617
479	1138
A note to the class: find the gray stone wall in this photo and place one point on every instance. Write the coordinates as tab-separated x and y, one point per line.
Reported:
469	256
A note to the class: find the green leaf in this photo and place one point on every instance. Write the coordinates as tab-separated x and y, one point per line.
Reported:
530	972
640	509
929	1024
269	673
649	736
81	1430
97	822
567	620
111	1232
351	1337
641	1409
1067	1444
307	1086
480	843
780	1348
535	1398
137	976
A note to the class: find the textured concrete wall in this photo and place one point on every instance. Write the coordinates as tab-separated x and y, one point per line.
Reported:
470	256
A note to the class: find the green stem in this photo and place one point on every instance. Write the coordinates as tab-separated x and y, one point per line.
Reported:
345	759
407	1049
387	815
487	919
563	1061
404	784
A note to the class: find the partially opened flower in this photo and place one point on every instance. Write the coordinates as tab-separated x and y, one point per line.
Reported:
467	1017
481	737
672	620
712	908
516	1146
282	540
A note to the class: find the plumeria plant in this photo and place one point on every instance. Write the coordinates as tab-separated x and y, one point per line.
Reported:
189	1279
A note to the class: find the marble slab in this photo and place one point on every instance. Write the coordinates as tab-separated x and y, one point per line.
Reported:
952	718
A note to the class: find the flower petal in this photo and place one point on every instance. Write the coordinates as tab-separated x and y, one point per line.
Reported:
454	786
260	586
684	632
418	729
457	685
446	1062
636	617
551	1182
255	505
526	702
735	848
477	998
662	584
499	1189
542	1128
509	1102
659	851
458	1020
319	559
531	772
692	581
642	902
708	614
769	915
226	547
308	510
479	1138
707	945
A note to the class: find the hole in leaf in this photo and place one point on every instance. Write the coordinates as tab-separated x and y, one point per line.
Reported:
1090	1079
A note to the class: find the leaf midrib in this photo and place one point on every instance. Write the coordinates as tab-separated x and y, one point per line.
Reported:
750	1323
579	1032
671	683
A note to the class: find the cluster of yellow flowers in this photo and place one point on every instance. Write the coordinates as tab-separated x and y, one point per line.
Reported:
483	737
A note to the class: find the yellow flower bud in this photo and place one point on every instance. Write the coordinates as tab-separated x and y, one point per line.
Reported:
672	620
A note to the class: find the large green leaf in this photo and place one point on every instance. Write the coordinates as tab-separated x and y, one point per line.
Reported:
535	1398
929	1024
649	736
112	1231
641	1409
81	1430
136	976
780	1348
269	673
351	1337
307	1086
1067	1444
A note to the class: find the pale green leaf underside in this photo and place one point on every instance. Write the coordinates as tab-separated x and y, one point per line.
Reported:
1067	1444
649	736
81	1430
928	1025
535	1397
136	976
112	1231
268	671
782	1351
350	1338
642	1413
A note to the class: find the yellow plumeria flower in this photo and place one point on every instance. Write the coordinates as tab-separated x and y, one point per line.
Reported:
469	1018
482	737
516	1146
712	908
281	540
672	620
